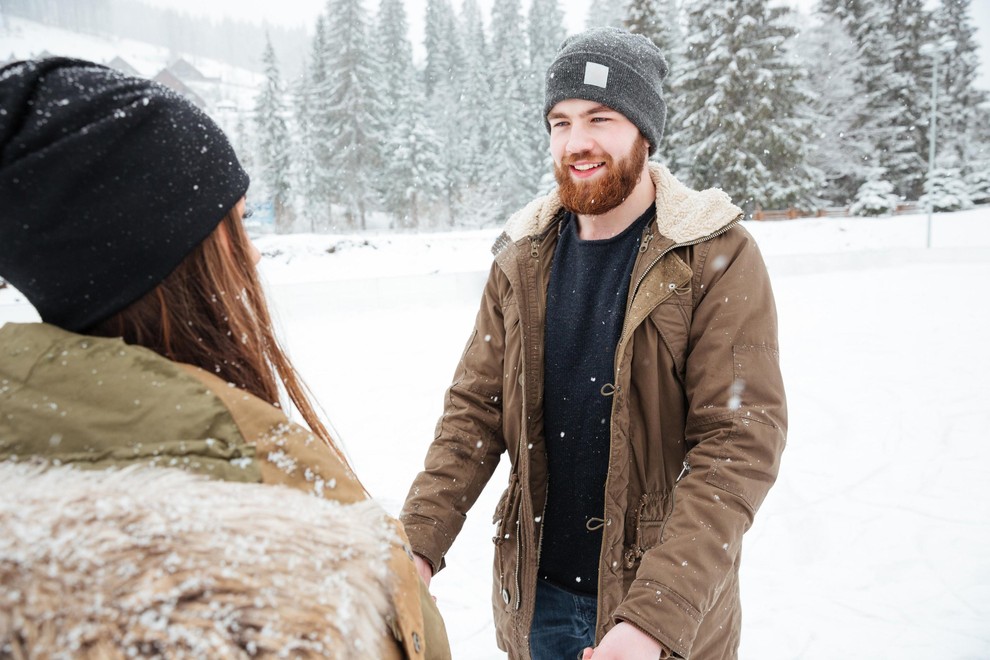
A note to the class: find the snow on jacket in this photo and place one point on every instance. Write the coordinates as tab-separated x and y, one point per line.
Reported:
264	544
697	429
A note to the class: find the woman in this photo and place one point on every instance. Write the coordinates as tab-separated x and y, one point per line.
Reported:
121	223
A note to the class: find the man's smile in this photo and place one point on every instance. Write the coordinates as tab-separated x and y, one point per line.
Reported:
584	170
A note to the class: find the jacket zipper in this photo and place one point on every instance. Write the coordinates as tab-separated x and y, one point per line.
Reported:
534	246
534	252
635	290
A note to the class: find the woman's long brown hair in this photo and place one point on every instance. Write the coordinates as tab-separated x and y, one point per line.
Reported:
211	312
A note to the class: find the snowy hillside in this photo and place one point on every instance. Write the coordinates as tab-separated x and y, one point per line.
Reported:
233	88
871	545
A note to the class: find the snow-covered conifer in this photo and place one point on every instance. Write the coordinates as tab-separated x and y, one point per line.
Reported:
273	142
515	176
875	197
659	20
979	185
602	14
244	141
947	190
412	166
477	189
545	25
324	192
444	79
840	144
354	117
303	158
742	125
889	35
959	143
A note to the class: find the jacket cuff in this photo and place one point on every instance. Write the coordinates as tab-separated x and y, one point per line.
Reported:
662	614
427	538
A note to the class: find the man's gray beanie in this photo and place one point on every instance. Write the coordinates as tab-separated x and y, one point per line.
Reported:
616	68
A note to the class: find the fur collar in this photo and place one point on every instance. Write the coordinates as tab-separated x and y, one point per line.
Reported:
683	215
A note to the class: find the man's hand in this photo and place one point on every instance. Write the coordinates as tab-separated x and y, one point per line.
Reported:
424	568
625	642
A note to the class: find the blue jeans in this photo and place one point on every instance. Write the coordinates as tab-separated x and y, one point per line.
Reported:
563	623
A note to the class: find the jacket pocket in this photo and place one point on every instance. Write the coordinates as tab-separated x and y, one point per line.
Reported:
649	522
672	321
507	548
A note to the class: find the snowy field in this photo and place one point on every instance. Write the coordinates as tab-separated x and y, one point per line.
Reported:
874	542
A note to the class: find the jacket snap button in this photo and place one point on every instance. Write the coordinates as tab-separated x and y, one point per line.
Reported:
505	596
416	643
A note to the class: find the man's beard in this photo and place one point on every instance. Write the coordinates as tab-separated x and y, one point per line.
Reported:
606	191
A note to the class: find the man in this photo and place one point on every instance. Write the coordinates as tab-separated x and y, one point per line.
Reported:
625	357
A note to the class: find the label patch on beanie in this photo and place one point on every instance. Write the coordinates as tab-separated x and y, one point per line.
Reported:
596	74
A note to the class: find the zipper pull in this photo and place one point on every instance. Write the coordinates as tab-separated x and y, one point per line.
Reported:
646	241
534	248
684	470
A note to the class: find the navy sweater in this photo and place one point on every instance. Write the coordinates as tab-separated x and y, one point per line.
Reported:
586	300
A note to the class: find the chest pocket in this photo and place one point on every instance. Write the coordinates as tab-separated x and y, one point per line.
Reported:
670	283
672	321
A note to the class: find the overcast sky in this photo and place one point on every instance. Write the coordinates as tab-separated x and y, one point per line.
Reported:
304	13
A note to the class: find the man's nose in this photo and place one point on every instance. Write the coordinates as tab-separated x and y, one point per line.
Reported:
578	140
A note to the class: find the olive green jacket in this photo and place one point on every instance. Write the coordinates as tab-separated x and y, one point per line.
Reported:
697	427
95	403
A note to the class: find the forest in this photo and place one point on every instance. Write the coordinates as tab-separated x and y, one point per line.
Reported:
780	109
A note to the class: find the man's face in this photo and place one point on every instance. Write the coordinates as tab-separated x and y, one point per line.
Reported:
598	155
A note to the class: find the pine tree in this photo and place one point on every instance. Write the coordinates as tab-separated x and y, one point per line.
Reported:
438	29
443	80
546	31
273	142
324	192
840	147
477	193
959	143
244	142
604	14
545	27
412	164
845	11
908	23
354	121
303	160
742	126
513	112
889	35
658	20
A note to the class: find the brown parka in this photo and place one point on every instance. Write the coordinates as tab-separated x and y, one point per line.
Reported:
697	428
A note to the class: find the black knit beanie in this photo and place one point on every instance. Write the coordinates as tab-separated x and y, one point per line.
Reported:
107	182
616	68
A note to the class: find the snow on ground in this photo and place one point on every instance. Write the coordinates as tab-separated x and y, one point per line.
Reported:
872	543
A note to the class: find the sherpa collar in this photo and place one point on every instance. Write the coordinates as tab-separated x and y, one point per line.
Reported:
683	215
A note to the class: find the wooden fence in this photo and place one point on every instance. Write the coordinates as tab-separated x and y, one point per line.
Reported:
827	212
